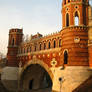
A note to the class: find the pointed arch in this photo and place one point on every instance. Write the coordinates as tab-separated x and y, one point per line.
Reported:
49	45
40	46
67	20
44	46
13	42
30	49
27	49
60	43
41	63
35	48
65	57
24	50
64	1
76	18
68	1
54	44
30	63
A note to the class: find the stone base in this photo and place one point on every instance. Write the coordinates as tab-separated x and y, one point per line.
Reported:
9	78
72	77
11	85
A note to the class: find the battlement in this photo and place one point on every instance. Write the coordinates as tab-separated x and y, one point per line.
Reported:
41	37
71	1
75	27
38	35
16	30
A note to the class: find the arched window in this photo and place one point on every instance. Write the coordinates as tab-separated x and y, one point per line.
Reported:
68	1
76	19
35	48
24	50
67	20
27	49
54	44
13	41
60	43
65	57
44	46
64	1
49	45
40	46
30	49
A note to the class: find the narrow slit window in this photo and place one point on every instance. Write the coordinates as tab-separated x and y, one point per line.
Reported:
67	20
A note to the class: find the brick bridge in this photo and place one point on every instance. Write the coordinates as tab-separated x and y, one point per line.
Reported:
55	61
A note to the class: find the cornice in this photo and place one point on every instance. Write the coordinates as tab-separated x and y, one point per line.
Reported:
41	52
74	3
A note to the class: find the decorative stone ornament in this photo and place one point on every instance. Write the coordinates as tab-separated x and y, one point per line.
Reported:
54	54
53	62
20	64
76	39
34	57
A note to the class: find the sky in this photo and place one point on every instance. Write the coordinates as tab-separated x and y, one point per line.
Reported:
43	16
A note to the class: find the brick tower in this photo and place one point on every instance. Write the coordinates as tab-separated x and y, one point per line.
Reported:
90	36
75	31
15	38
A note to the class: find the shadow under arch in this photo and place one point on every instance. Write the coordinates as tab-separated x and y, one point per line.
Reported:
35	62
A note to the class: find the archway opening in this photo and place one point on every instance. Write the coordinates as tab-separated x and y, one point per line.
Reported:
65	57
31	84
35	77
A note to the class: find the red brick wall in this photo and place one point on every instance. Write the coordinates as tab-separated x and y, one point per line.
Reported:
77	52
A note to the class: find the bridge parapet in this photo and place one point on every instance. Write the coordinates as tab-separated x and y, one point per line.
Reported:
52	57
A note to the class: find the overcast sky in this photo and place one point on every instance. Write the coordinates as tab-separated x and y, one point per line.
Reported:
43	16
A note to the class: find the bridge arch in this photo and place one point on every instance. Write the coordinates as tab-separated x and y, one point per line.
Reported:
36	63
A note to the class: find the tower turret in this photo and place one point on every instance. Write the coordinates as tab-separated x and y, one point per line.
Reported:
74	12
90	34
15	38
75	32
